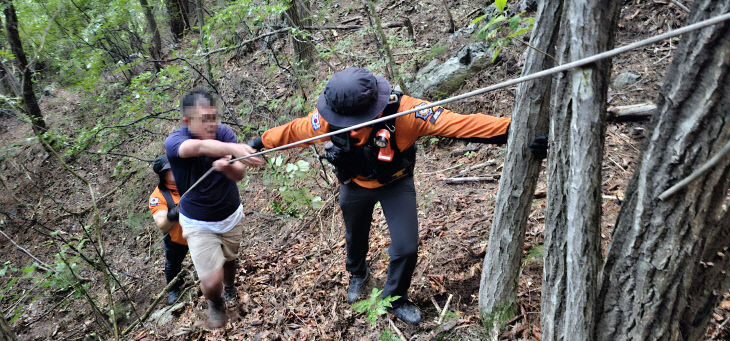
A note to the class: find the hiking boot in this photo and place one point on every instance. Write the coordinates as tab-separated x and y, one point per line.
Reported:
172	296
406	312
217	317
229	293
357	284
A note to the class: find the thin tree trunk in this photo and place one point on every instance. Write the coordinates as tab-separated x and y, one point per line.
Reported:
6	333
498	286
303	47
203	40
384	38
29	99
654	286
10	81
577	126
156	49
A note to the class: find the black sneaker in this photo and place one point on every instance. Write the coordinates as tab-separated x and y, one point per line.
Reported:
229	293
407	312
357	284
172	296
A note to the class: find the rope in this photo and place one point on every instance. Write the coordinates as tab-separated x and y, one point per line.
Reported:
536	75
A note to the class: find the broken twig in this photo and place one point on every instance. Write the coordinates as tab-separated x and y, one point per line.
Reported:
491	178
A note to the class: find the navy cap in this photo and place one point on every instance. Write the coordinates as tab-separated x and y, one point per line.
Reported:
353	96
161	164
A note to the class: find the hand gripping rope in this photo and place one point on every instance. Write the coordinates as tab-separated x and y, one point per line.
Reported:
544	73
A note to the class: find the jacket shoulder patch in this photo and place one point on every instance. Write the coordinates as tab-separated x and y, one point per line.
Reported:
423	113
316	123
154	201
436	115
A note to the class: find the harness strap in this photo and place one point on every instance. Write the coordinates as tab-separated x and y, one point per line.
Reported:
168	197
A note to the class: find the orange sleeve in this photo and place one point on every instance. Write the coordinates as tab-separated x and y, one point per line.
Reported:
298	129
157	202
438	121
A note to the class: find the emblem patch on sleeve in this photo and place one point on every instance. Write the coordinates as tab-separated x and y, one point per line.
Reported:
316	123
423	113
436	115
154	201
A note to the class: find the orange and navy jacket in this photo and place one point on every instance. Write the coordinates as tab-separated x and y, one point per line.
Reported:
435	121
158	203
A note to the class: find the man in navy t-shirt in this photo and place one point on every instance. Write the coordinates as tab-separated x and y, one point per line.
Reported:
210	213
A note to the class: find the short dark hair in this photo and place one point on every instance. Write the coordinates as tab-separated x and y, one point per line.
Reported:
194	98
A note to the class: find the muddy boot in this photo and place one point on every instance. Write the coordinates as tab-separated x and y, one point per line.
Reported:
172	296
217	317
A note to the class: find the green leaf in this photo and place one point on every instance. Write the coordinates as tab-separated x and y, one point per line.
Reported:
496	53
500	4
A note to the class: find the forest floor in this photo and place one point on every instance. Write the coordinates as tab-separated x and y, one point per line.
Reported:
291	281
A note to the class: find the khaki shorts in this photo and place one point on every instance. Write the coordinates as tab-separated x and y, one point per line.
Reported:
210	250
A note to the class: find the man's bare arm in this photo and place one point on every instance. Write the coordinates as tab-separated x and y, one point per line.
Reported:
214	148
234	171
162	223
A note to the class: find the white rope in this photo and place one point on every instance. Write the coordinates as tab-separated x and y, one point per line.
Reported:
544	73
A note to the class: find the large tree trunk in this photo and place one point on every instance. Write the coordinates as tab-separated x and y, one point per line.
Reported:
156	49
303	47
654	285
498	285
178	12
29	99
577	126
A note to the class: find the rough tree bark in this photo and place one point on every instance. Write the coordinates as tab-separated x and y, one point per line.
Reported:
577	126
156	48
655	286
303	47
29	99
498	286
178	12
6	333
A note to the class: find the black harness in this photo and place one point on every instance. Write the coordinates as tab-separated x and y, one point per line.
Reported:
351	160
168	197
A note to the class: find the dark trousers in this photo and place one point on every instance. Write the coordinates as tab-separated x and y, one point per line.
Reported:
398	201
174	255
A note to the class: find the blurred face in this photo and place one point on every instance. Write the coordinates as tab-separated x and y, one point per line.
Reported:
202	121
169	178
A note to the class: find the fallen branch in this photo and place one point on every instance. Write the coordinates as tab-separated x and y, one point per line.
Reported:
41	265
631	112
446	308
157	299
477	166
244	43
491	178
681	6
397	331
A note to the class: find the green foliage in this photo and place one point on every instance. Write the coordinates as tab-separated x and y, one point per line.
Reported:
535	254
388	335
295	197
374	306
503	27
226	23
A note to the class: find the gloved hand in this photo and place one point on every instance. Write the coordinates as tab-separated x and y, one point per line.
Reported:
173	214
256	143
539	146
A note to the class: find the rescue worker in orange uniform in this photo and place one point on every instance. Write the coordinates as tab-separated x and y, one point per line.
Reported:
375	164
162	204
